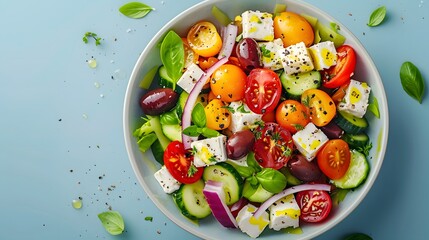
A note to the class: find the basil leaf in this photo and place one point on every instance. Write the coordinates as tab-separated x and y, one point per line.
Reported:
412	81
271	180
253	182
169	118
135	9
358	236
373	107
172	55
199	115
251	162
244	171
377	16
192	131
209	133
112	222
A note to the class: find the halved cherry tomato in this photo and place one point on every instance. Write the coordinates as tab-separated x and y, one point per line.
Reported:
315	205
190	55
334	158
340	73
178	162
263	90
269	117
204	39
321	107
339	94
228	83
292	28
292	115
206	63
273	146
218	117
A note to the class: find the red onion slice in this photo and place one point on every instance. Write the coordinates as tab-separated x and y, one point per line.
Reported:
229	34
215	196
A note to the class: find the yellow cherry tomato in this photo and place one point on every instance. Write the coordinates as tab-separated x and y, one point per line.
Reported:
320	105
292	115
190	55
204	39
293	28
218	117
228	83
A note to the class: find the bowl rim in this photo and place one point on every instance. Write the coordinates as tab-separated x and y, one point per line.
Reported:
370	64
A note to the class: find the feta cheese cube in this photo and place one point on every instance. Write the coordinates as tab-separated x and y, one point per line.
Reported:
168	183
242	117
209	151
284	213
296	59
324	55
356	99
270	57
258	25
309	140
249	224
190	77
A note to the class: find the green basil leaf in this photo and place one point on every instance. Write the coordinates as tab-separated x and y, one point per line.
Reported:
244	171
358	236
199	115
209	133
271	180
253	182
338	195
373	107
242	109
112	222
251	162
192	131
172	55
377	16
169	118
135	9
412	81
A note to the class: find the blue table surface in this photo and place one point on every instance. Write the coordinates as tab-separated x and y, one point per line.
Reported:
61	131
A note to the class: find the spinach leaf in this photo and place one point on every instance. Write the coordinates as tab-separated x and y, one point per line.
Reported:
412	81
172	55
112	222
135	9
377	16
271	180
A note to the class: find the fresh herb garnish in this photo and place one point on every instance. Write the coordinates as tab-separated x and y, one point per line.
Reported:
192	170
412	81
172	55
135	9
199	116
148	218
230	109
373	107
377	16
112	222
265	52
91	35
365	149
199	119
242	109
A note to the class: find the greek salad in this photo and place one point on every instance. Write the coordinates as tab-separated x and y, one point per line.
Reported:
257	120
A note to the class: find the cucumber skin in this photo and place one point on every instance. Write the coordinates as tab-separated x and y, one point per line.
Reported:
356	140
345	182
296	84
181	204
348	127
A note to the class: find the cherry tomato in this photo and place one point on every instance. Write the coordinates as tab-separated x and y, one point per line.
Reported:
293	28
269	117
263	90
228	83
178	161
204	39
190	55
315	205
206	63
340	73
339	94
320	105
334	158
273	146
218	117
292	115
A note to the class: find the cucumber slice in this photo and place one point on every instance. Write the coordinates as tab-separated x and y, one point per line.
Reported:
296	84
349	123
231	179
356	140
165	80
191	201
356	174
172	132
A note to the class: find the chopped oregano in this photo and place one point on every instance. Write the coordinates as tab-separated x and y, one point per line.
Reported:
412	81
93	36
377	16
135	9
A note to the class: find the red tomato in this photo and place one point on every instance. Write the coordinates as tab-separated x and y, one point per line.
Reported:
263	90
178	162
334	158
340	73
315	205
273	147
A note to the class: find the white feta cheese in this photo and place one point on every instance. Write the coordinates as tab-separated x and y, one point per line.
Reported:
167	182
296	59
242	117
209	151
284	213
355	101
249	224
309	140
324	55
190	77
270	57
258	25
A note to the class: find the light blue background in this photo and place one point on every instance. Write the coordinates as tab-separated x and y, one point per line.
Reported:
61	137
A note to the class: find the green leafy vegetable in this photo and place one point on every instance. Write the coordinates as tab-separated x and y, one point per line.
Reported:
209	133
244	171
199	116
373	107
145	132
192	131
112	222
358	236
148	218
135	9
365	149
251	162
271	180
377	16
412	81
91	35
170	118
338	195
172	55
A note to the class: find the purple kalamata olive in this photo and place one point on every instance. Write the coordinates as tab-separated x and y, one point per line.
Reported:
239	144
332	131
303	169
158	101
249	54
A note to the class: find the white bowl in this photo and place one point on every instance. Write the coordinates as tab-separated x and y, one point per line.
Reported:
145	166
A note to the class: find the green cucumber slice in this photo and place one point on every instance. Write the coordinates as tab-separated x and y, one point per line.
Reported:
191	201
349	123
172	132
356	140
356	174
296	84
